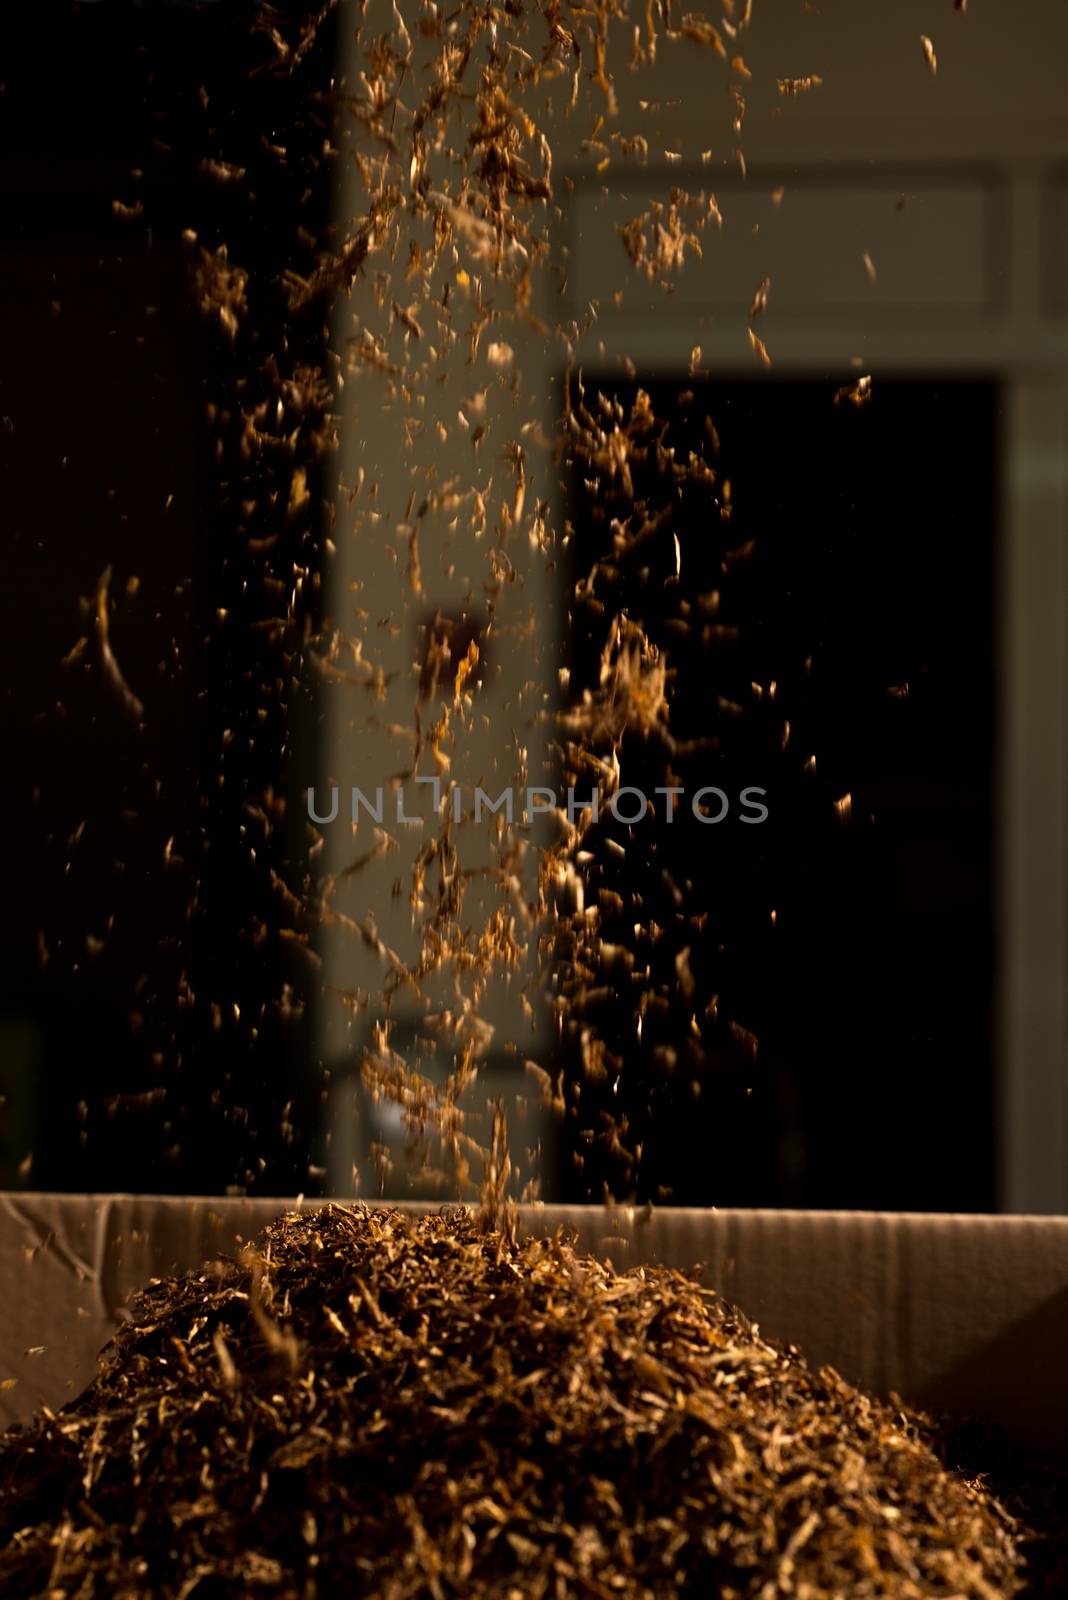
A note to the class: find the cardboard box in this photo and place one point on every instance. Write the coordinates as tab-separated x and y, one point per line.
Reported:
967	1314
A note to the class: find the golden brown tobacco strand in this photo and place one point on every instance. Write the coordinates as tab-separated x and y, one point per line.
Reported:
112	670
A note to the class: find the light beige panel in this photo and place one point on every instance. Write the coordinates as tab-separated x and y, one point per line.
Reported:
932	242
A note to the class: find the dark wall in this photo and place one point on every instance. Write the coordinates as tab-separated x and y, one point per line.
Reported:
140	979
858	559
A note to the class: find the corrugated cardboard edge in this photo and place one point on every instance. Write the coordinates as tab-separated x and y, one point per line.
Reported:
963	1313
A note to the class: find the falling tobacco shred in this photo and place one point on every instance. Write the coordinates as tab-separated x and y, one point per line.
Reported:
112	670
366	1403
858	393
759	348
657	240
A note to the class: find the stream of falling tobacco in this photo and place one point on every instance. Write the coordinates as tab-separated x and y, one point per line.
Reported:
458	171
448	124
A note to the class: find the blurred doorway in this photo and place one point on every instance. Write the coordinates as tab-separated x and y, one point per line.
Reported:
857	575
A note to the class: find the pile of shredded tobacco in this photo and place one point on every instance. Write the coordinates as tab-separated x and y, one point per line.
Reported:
371	1403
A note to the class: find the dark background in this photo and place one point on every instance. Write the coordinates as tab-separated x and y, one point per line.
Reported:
160	1058
125	1064
871	568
